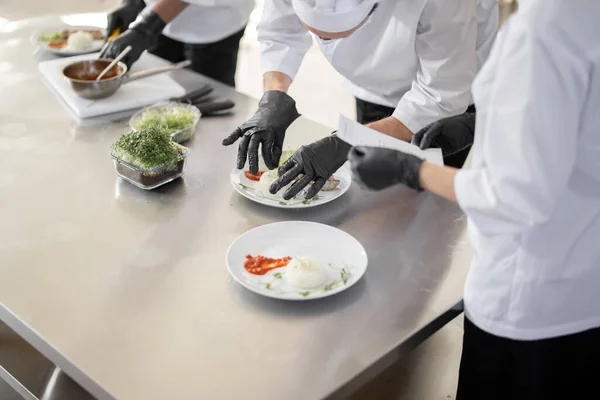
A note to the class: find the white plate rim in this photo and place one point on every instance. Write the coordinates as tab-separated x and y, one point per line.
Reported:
342	191
308	298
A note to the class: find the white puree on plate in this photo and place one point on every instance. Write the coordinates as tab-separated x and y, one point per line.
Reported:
305	273
267	178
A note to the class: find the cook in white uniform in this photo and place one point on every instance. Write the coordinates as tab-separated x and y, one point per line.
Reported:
205	32
408	62
532	196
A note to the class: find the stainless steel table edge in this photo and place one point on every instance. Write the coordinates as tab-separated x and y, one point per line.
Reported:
14	383
48	351
414	339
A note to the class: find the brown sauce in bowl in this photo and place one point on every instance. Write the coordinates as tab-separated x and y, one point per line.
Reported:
114	71
89	71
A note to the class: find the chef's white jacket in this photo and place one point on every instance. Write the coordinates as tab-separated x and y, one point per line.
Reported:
533	193
208	21
419	56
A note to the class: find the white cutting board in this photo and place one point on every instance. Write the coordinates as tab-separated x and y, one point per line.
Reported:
130	96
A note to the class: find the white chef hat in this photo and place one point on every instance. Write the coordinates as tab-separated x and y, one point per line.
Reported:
333	15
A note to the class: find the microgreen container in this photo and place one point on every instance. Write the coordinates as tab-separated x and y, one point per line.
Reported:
150	178
160	111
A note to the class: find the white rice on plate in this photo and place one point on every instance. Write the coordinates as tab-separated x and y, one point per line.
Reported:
305	273
80	41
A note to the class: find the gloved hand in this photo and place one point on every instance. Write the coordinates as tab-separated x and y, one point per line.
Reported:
123	16
451	134
376	168
317	161
276	112
141	36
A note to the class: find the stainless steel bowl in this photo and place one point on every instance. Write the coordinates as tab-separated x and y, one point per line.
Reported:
81	75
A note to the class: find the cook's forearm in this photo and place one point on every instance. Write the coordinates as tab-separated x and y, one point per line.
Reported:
276	81
167	10
438	180
392	127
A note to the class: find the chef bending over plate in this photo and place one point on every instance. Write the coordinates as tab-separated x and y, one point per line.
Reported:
408	62
206	33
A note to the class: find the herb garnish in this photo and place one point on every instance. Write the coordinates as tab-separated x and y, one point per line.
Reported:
345	275
173	117
148	147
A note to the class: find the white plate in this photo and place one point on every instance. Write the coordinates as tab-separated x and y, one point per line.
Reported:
342	256
65	51
252	190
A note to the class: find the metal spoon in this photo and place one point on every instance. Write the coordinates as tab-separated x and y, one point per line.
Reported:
103	48
114	62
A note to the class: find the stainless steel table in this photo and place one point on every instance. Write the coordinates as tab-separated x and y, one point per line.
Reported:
127	291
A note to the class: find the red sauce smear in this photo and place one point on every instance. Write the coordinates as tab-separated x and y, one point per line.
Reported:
57	45
253	177
260	265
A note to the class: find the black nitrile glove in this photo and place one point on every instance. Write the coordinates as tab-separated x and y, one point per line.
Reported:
376	168
141	36
317	161
123	16
451	134
276	112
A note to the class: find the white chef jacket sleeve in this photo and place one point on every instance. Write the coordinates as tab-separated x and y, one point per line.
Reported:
283	40
528	129
447	64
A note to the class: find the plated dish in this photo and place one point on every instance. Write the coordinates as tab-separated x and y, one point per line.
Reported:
296	260
256	187
70	41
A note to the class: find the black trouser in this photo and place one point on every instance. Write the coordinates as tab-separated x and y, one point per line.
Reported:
496	368
367	112
216	60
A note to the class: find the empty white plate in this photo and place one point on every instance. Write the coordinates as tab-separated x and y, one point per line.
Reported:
343	258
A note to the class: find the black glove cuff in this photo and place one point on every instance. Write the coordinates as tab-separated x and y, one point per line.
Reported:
278	96
149	24
282	99
342	149
412	176
282	103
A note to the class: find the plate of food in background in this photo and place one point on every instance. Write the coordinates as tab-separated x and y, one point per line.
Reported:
70	40
256	187
296	260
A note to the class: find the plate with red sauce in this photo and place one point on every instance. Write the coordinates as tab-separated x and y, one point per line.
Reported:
56	40
251	187
266	260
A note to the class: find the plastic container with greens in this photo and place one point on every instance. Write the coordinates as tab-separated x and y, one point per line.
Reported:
179	119
148	158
